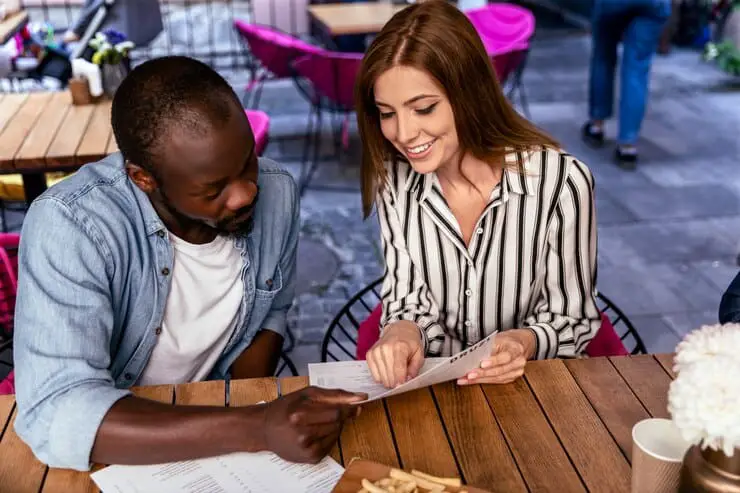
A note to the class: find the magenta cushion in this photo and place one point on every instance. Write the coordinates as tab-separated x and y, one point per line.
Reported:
368	332
7	386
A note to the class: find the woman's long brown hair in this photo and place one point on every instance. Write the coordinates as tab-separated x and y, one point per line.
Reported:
434	36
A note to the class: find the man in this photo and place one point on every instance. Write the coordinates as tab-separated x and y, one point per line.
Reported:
173	261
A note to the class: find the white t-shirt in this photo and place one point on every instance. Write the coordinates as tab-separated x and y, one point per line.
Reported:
200	314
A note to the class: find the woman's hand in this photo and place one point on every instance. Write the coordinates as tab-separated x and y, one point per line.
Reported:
511	350
398	355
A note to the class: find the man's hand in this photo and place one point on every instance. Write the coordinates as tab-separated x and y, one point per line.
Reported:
303	426
398	355
508	358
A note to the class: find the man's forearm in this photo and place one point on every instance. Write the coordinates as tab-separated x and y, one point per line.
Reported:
139	431
261	357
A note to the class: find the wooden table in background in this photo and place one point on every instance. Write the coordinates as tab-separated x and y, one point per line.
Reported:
565	427
41	132
11	25
337	19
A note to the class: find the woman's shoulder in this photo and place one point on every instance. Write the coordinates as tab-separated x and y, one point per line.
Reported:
399	176
555	166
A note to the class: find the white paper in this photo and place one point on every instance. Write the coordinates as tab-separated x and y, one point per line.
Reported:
263	472
355	376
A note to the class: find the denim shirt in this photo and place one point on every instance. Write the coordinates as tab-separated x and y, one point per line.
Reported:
94	275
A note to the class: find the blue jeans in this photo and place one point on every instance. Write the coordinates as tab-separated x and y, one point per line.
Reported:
638	24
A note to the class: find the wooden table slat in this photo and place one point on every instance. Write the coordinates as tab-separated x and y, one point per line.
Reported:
353	18
611	397
9	107
479	445
32	153
20	471
211	393
23	121
11	24
68	481
420	436
648	380
63	148
6	409
159	393
368	436
293	384
589	445
249	392
666	361
543	463
94	144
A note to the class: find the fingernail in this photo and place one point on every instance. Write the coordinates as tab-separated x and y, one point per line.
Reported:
461	381
485	364
472	375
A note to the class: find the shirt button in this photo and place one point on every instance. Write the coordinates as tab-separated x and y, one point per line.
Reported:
158	330
479	231
468	292
165	271
468	323
160	233
128	376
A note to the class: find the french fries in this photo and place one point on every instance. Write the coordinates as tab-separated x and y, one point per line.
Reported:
416	482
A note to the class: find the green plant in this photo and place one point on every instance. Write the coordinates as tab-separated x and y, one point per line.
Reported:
726	54
108	52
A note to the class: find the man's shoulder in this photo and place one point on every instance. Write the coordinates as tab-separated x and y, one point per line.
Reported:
276	178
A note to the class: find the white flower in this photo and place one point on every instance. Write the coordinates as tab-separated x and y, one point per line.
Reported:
704	402
708	342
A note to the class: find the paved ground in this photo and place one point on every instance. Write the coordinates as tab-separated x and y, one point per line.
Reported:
668	232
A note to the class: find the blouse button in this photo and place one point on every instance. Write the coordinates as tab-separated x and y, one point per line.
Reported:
468	292
479	231
468	323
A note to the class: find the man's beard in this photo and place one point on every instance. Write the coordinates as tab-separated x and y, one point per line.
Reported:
231	225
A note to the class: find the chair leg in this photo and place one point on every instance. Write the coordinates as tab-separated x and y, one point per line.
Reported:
3	216
308	170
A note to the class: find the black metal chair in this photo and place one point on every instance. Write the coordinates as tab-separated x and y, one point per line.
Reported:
340	340
286	367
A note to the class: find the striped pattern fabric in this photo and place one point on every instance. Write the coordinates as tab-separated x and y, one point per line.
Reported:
531	261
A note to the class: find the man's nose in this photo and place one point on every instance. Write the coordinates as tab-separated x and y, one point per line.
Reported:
242	194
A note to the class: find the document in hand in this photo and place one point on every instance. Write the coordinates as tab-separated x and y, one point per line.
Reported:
263	472
355	376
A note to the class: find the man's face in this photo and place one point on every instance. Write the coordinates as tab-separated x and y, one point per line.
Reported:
210	178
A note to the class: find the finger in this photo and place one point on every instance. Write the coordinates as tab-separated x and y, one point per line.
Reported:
496	370
372	363
417	360
320	413
400	364
498	359
380	365
389	366
499	379
320	448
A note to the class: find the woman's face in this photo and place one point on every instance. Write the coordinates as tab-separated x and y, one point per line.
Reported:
416	117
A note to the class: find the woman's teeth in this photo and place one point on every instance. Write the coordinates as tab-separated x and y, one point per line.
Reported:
420	149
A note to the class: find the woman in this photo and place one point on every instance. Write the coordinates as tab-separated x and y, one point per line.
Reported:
486	225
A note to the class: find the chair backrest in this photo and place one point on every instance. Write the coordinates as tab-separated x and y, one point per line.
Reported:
503	27
332	75
274	49
342	340
260	123
8	282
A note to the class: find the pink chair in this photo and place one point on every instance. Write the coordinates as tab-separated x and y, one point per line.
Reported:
8	286
260	123
506	30
332	77
274	50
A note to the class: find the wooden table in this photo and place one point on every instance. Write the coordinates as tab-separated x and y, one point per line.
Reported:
565	427
337	19
43	131
11	25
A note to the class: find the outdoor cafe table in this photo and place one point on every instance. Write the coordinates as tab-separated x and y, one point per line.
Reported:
44	131
566	426
338	19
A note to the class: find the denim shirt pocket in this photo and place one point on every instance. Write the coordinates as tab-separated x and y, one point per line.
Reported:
266	289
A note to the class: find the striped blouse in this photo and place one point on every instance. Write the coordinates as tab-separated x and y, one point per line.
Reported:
531	262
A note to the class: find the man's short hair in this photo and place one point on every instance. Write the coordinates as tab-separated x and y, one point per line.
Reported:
166	93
